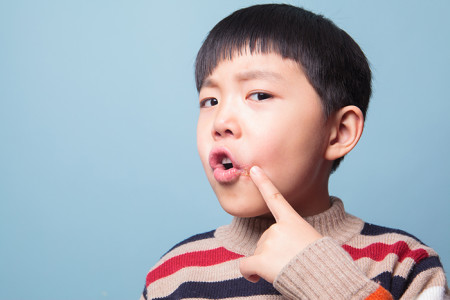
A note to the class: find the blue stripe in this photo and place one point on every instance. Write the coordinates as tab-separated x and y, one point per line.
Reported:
397	285
197	237
423	265
144	293
239	287
374	230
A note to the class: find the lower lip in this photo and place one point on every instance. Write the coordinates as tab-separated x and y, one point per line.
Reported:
226	176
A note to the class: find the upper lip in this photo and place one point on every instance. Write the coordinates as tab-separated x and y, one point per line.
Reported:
216	156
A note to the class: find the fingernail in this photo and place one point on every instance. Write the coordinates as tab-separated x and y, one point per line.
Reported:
255	170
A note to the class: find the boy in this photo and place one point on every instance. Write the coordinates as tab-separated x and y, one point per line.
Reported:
283	95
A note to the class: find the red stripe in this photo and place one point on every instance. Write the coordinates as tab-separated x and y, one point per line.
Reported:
191	259
378	251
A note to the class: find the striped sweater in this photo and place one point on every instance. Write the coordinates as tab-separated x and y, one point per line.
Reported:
354	260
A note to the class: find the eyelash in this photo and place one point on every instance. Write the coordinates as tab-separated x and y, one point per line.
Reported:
264	96
204	101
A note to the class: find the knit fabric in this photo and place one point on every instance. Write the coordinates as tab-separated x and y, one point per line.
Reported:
354	260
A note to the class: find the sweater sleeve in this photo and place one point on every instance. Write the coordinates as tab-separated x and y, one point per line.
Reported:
324	270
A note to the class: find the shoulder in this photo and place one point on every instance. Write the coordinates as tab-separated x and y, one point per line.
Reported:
397	260
193	244
377	230
189	266
199	238
378	242
201	250
170	261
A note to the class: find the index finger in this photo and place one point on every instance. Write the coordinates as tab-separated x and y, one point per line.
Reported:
277	204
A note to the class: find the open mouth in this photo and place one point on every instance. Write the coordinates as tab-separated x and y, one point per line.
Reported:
227	163
225	167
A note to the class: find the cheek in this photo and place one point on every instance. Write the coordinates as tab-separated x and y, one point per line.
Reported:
289	158
204	155
202	140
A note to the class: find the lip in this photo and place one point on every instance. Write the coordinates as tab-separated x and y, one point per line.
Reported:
220	173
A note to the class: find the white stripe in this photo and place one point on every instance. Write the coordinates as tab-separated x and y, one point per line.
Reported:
373	268
432	293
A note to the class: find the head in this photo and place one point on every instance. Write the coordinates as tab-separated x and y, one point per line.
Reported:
250	63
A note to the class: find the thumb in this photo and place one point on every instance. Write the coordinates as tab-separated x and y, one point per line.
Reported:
248	266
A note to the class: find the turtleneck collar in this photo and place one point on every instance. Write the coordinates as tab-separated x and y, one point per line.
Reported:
242	234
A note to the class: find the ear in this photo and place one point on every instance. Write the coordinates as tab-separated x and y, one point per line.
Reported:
346	127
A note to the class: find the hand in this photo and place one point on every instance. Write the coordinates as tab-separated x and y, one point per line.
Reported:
283	240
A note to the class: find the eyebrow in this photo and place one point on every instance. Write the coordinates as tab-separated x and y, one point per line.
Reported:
258	74
246	76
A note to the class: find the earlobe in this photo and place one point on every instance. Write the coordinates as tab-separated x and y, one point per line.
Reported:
346	126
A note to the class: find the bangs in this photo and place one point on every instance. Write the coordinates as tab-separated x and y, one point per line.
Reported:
208	61
267	29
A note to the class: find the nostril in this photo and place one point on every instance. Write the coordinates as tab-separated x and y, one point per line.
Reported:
224	133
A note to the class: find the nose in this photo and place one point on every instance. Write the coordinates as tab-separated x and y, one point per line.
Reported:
226	121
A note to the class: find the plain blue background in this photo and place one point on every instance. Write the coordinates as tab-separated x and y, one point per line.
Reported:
99	173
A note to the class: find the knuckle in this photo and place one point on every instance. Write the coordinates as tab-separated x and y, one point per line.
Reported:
242	263
277	196
275	228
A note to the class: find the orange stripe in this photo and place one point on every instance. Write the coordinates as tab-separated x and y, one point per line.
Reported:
380	294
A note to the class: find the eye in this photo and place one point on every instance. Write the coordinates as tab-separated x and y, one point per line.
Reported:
259	96
208	102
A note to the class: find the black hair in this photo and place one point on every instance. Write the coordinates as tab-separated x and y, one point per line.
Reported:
332	61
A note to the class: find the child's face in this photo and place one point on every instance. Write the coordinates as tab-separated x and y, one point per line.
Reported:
261	110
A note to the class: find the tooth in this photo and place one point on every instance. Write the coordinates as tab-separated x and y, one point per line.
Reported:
226	160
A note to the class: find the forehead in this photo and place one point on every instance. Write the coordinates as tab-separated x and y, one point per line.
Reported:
257	66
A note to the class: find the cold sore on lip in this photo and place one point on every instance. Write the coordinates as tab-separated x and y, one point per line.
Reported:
226	169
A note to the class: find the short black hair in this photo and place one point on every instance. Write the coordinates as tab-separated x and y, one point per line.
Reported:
333	62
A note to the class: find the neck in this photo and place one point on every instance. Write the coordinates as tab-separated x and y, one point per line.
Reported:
242	235
317	201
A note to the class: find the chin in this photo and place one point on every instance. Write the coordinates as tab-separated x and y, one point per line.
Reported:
241	198
247	205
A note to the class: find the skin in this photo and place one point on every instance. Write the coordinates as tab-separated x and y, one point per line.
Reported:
263	109
281	242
